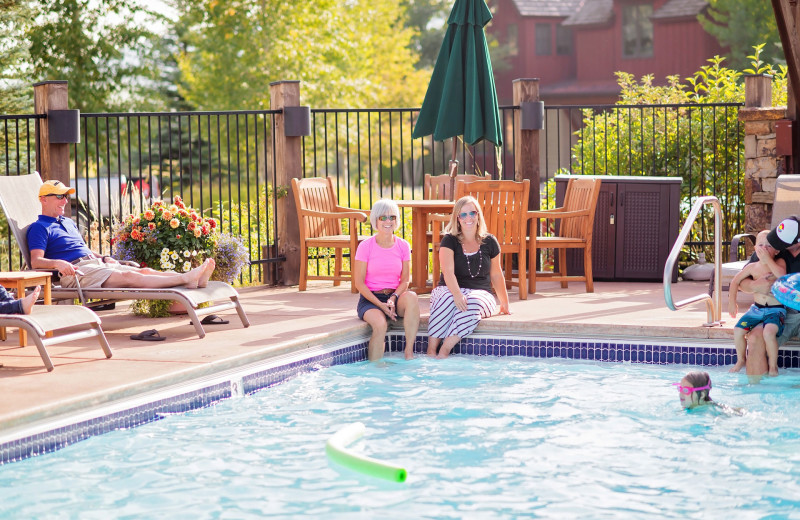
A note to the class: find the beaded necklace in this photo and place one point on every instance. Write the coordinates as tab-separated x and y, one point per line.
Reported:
480	262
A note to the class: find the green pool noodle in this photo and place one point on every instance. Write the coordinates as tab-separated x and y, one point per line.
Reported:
337	451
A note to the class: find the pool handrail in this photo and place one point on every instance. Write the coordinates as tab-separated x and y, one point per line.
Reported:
713	303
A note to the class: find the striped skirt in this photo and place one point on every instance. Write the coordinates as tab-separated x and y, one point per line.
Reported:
446	320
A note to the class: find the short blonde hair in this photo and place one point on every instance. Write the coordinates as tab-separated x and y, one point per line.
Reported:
384	207
454	227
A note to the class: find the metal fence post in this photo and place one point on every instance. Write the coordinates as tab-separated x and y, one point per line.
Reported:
52	159
288	165
526	142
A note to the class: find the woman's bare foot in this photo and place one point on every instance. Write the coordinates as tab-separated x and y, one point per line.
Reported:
30	299
193	276
210	265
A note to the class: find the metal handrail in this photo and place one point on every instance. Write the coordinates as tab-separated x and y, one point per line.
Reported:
713	303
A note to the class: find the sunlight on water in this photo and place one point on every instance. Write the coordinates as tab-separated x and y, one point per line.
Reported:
480	437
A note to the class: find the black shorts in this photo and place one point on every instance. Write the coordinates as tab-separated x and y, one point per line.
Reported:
364	304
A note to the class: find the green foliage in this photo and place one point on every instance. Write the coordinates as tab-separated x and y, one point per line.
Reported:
352	54
15	92
742	24
428	18
693	140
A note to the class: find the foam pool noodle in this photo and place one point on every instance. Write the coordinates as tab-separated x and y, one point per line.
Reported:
337	451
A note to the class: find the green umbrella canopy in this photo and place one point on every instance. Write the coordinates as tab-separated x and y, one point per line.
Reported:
461	98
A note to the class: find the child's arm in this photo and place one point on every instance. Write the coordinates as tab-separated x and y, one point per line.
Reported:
778	267
733	288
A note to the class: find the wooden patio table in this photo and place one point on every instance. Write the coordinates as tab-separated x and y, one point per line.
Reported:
420	209
20	280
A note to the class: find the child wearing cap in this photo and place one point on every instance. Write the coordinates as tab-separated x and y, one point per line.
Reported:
766	310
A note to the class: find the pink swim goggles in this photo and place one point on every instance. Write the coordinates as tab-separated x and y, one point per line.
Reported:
687	390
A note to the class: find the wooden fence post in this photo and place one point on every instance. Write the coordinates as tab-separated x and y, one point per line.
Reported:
526	142
288	165
52	160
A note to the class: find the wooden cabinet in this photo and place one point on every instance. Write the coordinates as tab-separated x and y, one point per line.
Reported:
636	223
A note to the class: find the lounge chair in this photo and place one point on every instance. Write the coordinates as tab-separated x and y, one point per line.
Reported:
76	323
18	198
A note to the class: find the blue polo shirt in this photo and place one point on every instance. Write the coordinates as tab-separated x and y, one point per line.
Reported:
58	238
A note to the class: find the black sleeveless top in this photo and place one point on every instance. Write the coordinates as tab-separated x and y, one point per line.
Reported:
472	272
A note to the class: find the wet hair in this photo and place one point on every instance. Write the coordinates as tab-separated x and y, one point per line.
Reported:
454	227
698	379
384	207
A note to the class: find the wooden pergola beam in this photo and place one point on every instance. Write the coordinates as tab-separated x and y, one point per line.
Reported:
785	16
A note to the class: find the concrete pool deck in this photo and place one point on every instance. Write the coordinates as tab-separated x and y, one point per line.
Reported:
284	320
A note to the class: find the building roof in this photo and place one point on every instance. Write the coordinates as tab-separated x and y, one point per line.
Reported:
680	9
555	8
591	12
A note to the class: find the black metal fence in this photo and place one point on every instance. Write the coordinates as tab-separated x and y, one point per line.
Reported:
223	163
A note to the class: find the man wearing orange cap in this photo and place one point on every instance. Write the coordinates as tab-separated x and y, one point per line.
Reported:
785	237
55	243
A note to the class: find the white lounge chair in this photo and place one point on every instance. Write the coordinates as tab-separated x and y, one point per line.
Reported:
19	200
80	323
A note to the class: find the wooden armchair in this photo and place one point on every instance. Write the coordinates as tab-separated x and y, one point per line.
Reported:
504	205
574	232
320	219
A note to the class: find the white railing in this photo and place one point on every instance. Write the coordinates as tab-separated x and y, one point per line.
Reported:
713	303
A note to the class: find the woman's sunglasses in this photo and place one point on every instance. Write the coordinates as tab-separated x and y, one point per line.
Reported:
687	390
470	214
59	196
384	218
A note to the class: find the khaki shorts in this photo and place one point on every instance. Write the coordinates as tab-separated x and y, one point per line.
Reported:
95	273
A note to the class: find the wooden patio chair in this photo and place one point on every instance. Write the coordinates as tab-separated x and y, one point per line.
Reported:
320	219
574	231
20	202
504	205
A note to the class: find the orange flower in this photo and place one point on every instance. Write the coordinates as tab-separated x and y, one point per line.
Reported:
174	223
149	215
151	226
197	232
166	215
191	225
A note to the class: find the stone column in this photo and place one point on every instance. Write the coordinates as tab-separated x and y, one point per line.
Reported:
288	165
762	165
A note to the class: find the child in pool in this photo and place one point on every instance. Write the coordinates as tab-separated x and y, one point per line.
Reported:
9	305
694	391
766	309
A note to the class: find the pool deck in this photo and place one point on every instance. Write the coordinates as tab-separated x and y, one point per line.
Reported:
285	320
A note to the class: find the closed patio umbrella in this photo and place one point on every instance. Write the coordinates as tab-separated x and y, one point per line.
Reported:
461	97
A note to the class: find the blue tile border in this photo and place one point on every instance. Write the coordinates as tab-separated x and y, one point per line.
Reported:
653	352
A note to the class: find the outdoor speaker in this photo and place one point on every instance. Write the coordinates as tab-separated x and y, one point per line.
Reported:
297	121
532	115
64	126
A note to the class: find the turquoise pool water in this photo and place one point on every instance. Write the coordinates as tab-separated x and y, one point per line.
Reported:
481	437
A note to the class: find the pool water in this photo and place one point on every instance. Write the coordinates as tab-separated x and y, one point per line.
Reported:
481	437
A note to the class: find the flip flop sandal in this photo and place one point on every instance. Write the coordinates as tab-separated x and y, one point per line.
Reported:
148	335
213	319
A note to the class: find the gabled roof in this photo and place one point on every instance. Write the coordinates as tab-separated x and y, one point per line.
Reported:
591	12
555	8
680	9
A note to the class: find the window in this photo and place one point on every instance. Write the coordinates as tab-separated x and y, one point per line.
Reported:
637	31
512	39
563	40
544	46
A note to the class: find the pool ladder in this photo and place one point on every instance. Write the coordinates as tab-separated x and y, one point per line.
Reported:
713	302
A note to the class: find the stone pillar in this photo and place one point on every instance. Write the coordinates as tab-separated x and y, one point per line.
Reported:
526	142
762	165
52	160
288	165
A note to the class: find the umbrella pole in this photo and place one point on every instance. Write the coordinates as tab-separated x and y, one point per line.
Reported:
453	170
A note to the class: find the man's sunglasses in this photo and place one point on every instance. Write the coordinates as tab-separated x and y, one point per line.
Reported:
59	196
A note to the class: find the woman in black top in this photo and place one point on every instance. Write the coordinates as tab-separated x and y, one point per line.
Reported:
470	260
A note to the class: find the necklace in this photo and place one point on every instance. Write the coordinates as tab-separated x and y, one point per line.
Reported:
480	262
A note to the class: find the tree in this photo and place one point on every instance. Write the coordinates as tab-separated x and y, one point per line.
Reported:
428	18
100	46
742	24
348	54
16	95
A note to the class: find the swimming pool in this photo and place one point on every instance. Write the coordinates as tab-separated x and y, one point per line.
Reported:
481	437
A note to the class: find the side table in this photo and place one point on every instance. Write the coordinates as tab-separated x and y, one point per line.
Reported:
21	280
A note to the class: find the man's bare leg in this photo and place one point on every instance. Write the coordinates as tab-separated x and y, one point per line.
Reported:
756	362
210	264
150	281
771	345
